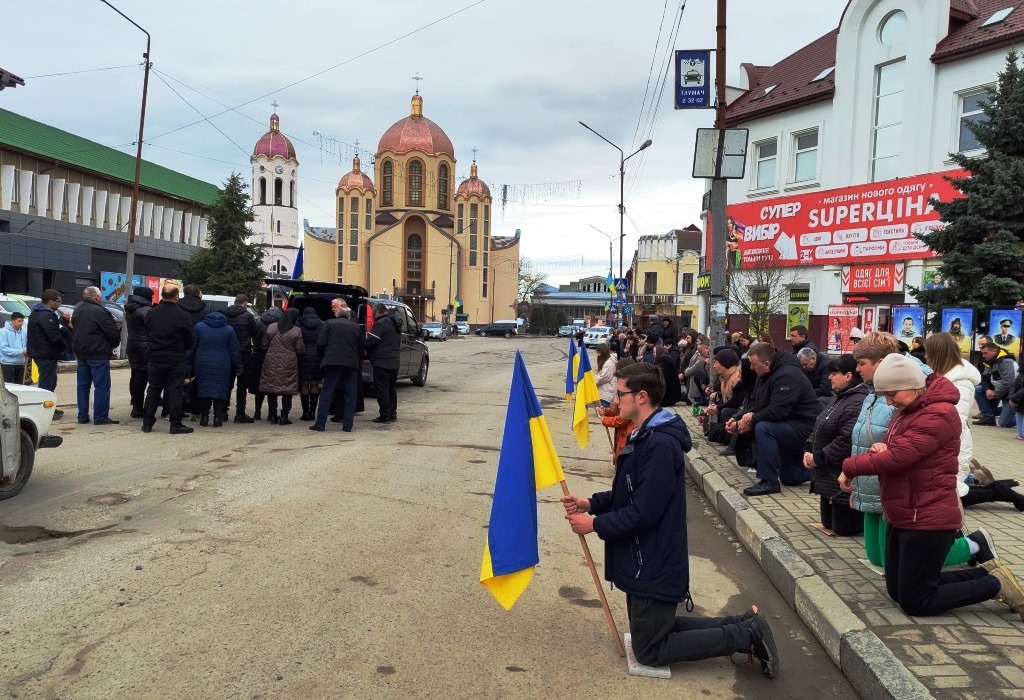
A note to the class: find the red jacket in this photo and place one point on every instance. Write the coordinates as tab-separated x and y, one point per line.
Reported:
918	472
623	429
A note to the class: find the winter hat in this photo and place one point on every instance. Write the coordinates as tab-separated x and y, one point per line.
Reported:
655	318
856	334
727	358
144	292
898	373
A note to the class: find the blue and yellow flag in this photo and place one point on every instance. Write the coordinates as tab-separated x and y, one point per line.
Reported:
297	270
571	368
586	393
527	463
610	283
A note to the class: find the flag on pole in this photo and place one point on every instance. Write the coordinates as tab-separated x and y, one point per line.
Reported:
610	283
297	269
527	463
586	393
571	368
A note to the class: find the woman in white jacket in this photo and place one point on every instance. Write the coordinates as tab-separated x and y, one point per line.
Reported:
605	376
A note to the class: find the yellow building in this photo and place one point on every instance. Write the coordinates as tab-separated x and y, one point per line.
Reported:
412	234
664	277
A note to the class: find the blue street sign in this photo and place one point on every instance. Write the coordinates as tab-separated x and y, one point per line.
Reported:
620	284
693	83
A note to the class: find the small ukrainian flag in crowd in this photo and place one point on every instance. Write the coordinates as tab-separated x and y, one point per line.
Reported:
527	463
571	368
586	393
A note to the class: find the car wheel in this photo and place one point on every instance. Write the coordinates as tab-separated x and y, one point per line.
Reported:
508	334
421	377
10	489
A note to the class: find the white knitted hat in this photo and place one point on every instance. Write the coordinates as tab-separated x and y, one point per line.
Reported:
897	373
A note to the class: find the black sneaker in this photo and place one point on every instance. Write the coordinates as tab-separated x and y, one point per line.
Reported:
57	414
763	488
181	429
985	421
986	547
242	418
728	452
381	419
763	644
318	428
147	428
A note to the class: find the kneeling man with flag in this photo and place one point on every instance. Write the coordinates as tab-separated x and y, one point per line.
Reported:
642	521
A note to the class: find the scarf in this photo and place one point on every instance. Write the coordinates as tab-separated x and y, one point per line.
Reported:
287	321
728	381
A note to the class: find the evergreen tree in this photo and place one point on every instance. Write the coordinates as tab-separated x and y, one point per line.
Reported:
230	265
982	245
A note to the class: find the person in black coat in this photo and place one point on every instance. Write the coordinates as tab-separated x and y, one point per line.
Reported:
778	417
135	309
816	369
192	302
798	335
340	345
265	321
384	342
169	329
48	339
830	443
96	336
642	522
310	381
668	362
215	360
247	330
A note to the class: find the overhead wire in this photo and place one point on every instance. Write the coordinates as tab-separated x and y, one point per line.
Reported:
650	73
196	110
76	72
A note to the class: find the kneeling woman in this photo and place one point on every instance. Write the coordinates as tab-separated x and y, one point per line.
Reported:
917	469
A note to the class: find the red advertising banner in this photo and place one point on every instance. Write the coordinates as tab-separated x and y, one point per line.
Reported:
154	284
867	223
874	279
841	320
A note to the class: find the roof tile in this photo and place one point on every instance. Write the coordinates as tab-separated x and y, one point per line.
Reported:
973	38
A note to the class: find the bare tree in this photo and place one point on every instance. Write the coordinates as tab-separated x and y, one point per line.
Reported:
761	292
530	280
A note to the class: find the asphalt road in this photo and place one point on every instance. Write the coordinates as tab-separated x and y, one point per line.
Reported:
260	561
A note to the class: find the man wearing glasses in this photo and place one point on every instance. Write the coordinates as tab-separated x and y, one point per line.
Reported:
1005	338
642	521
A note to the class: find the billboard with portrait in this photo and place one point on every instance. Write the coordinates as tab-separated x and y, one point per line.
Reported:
907	322
959	323
1004	328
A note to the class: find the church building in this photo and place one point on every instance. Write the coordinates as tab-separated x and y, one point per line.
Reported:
411	234
275	198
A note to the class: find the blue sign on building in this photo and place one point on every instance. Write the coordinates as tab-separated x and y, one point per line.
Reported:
693	79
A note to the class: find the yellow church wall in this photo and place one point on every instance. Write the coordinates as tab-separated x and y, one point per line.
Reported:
386	261
354	271
431	167
318	260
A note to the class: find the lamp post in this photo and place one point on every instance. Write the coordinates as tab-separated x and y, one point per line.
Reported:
611	294
622	187
129	265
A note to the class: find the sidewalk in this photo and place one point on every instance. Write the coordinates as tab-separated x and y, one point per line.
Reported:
971	653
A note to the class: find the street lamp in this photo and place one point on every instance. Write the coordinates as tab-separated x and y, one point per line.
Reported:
611	295
622	187
129	264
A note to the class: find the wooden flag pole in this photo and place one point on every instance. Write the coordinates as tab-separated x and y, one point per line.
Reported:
597	582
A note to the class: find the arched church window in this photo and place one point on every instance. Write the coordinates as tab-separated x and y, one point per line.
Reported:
442	186
414	263
387	188
291	193
278	192
415	184
263	190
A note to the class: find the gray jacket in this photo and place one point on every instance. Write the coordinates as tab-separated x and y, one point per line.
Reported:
691	375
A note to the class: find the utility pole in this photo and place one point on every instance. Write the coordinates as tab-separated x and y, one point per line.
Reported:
719	192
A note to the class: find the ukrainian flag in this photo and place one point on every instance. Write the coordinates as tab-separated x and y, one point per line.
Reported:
610	283
571	368
297	271
527	463
586	393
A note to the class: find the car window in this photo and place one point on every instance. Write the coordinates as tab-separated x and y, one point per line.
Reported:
410	325
12	305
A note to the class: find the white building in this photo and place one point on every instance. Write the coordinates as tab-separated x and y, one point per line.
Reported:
275	197
881	99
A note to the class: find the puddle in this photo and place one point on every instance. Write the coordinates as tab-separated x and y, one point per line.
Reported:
27	534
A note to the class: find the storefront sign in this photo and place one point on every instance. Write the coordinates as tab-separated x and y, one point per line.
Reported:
875	222
873	279
800	295
704	282
841	320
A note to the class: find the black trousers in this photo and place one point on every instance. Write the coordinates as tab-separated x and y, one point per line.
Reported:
47	374
385	382
168	379
839	517
915	580
137	387
342	383
14	374
661	638
286	404
240	383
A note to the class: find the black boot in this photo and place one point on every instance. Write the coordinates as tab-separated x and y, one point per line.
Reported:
258	403
1008	495
204	412
220	412
284	419
763	644
304	400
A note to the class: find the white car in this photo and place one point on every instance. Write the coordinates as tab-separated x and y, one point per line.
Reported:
433	330
25	416
463	327
597	335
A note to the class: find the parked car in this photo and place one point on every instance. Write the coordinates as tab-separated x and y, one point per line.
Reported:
434	330
300	294
9	304
25	416
596	335
463	327
566	331
505	329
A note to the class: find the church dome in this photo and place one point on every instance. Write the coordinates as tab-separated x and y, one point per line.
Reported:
357	178
416	132
274	143
473	185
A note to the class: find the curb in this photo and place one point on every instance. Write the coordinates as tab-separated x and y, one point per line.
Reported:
874	671
72	367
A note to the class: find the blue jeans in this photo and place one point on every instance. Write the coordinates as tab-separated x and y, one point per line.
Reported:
346	381
94	373
1019	417
990	409
779	453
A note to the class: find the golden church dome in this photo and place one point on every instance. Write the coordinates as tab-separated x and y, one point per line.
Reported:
473	185
357	178
416	133
274	143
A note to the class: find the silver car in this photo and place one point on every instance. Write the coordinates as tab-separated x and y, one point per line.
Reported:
433	330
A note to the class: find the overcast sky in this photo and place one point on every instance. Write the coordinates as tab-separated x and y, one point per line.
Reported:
509	78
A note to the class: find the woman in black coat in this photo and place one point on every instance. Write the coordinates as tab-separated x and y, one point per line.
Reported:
668	361
310	378
830	443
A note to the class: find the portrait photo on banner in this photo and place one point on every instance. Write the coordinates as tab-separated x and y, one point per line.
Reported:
907	322
1004	328
959	323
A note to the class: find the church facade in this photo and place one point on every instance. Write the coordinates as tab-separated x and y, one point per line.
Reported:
412	234
275	192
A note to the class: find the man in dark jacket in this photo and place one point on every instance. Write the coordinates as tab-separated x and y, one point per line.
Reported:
816	369
779	416
341	346
171	334
798	337
192	302
998	372
135	309
96	336
642	521
384	341
48	340
248	331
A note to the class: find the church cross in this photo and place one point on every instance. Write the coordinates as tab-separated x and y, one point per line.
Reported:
417	78
474	154
356	144
274	105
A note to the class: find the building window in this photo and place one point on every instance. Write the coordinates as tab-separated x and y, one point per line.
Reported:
766	154
340	265
474	213
485	281
415	183
893	29
970	111
341	248
687	283
386	198
369	213
442	186
805	166
885	147
650	283
278	192
263	190
413	264
279	226
291	194
462	214
353	245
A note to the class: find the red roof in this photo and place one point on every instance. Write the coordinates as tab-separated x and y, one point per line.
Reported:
972	38
274	143
967	7
416	133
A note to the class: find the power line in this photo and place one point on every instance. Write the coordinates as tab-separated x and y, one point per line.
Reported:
196	110
650	72
76	72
